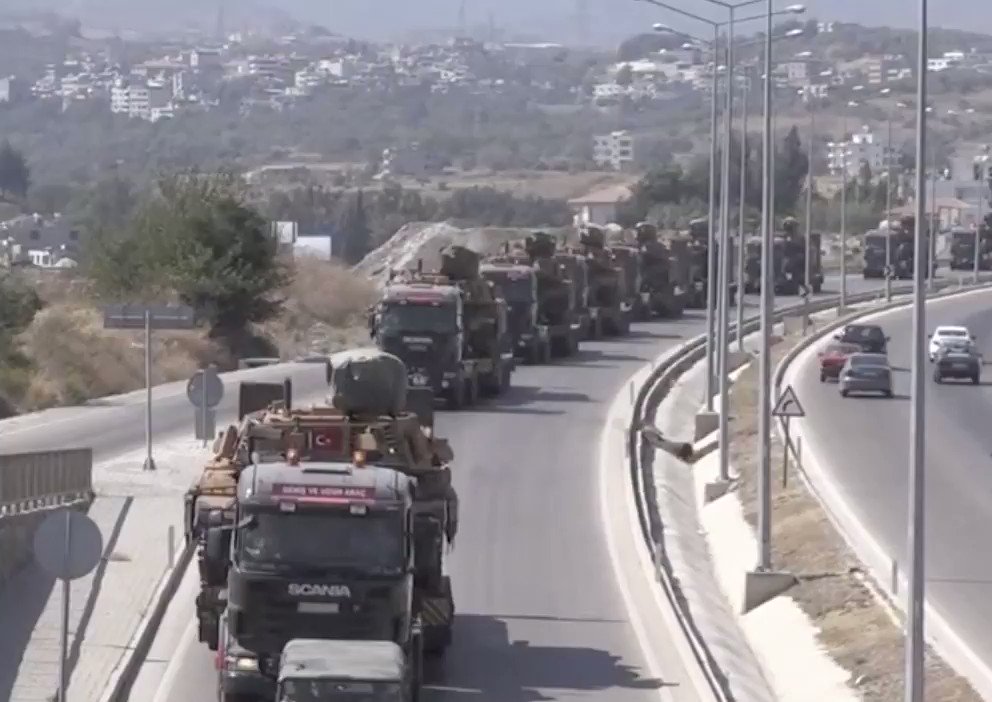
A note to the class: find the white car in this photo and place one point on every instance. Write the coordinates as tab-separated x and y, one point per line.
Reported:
949	336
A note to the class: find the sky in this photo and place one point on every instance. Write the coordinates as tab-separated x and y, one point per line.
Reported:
609	21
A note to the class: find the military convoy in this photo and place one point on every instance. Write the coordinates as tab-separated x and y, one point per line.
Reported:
326	522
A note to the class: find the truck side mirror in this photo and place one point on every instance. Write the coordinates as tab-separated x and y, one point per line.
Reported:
217	542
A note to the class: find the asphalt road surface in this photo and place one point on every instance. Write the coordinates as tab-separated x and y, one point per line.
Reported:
866	443
539	612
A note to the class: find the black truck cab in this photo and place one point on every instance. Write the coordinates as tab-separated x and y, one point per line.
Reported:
317	550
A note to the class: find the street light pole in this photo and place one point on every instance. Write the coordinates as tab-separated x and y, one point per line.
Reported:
978	232
843	226
711	246
917	454
740	216
934	223
888	212
809	190
724	277
764	362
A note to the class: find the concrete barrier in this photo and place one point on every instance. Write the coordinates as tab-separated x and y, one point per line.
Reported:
31	485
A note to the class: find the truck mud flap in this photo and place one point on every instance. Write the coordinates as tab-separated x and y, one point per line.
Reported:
420	401
437	614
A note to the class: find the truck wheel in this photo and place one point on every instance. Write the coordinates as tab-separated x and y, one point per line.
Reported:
546	352
417	663
472	391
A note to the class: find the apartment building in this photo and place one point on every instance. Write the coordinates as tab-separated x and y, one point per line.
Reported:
863	148
614	150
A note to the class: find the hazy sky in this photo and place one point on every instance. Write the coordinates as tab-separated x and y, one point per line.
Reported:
608	20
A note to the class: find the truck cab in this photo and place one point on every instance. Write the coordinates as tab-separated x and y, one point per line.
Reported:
423	325
315	550
313	670
518	285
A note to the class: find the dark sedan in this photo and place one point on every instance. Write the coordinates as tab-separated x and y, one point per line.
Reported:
870	337
960	362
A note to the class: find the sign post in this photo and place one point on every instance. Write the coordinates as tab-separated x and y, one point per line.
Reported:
148	317
788	406
67	545
205	390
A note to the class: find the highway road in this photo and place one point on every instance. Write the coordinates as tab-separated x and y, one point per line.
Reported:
540	616
862	447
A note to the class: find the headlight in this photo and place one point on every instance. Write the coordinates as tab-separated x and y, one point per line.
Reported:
419	380
243	663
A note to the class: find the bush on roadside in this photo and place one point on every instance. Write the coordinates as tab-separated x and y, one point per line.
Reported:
324	308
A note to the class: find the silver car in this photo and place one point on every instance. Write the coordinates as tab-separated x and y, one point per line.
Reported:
866	372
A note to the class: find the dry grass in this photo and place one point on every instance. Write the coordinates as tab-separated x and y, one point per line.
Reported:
75	359
853	624
325	309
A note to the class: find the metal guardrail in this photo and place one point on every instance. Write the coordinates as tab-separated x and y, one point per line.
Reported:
30	482
646	402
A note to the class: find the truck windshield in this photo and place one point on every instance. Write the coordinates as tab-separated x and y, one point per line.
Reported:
417	318
515	289
323	539
329	690
876	243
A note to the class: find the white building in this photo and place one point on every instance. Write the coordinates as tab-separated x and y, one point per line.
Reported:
614	150
149	100
600	206
861	149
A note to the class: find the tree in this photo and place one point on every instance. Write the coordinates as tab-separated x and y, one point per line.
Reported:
353	228
195	239
18	306
790	172
15	176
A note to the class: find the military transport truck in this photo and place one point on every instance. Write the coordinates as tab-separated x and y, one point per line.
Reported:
661	293
517	282
450	329
901	235
609	313
575	269
963	247
322	549
559	308
365	456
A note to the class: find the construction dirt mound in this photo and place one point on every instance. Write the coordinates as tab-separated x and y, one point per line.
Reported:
425	240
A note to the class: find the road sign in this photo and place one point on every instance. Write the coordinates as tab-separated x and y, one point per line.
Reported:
68	544
788	405
205	388
204	423
132	316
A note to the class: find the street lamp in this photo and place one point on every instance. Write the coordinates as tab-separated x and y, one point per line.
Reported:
978	225
914	650
719	280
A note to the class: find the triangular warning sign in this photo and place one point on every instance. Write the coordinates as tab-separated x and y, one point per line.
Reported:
788	405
